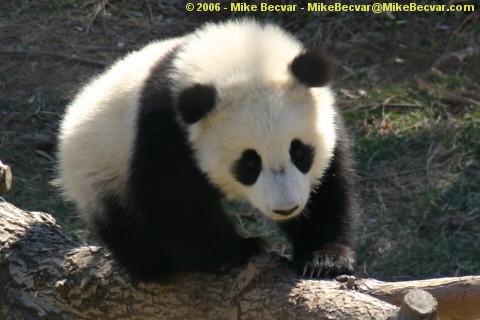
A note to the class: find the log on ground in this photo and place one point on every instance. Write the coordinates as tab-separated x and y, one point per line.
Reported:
45	274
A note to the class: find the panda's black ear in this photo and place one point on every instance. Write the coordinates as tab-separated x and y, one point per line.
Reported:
195	102
312	68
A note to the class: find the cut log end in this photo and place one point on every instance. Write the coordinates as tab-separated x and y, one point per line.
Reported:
418	305
5	178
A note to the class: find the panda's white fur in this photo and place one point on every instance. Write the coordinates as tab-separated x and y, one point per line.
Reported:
98	130
259	105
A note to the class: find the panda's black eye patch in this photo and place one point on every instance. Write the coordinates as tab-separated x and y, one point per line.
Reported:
301	155
247	169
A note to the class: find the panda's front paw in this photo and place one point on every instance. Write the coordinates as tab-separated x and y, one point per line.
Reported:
330	261
256	244
242	252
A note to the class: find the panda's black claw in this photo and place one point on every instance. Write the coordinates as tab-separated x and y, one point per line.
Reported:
305	269
330	262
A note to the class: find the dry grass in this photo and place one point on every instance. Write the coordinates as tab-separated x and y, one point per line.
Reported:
408	87
421	194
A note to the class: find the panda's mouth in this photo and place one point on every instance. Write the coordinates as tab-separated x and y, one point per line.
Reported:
280	214
285	212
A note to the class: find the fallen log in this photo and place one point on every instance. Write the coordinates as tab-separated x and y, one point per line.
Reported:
47	275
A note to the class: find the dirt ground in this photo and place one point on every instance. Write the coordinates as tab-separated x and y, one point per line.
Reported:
53	46
399	62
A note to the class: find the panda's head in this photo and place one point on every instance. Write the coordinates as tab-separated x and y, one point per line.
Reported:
266	140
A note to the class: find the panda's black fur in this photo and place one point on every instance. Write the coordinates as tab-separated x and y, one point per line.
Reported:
170	220
190	206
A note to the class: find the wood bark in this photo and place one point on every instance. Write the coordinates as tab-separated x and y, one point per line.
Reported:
46	275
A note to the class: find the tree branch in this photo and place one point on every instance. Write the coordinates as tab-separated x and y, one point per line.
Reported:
57	55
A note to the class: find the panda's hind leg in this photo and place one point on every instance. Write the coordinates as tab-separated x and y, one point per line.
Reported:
131	240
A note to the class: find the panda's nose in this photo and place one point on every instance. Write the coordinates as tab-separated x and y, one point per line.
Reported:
285	212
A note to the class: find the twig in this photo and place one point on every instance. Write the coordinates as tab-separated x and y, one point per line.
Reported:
389	105
99	7
54	55
445	95
109	48
401	173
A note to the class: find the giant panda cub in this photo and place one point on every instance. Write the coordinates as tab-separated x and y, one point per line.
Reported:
240	110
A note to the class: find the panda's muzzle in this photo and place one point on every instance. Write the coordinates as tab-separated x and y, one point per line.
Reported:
280	196
285	212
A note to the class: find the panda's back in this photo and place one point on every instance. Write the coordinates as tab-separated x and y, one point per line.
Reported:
98	131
